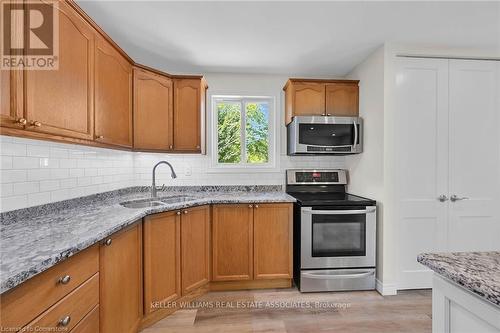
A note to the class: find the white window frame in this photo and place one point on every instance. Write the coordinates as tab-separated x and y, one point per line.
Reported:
271	165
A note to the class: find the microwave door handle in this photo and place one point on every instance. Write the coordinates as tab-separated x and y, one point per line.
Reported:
355	134
338	212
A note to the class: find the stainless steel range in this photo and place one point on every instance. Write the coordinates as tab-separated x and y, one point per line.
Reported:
334	232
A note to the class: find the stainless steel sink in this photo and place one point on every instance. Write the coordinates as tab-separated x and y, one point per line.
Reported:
142	203
145	203
175	198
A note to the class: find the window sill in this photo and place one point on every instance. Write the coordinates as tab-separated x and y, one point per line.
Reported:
243	169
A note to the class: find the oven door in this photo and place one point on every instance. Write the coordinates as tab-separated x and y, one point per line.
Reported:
325	135
339	237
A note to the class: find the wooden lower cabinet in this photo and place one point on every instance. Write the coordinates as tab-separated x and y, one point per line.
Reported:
272	241
195	248
121	281
232	242
89	324
252	242
162	259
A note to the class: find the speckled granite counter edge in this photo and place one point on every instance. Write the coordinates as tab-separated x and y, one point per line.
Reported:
7	218
459	278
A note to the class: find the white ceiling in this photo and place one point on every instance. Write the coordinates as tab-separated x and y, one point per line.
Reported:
291	38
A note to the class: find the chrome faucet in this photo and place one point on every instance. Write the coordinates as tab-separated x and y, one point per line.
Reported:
153	185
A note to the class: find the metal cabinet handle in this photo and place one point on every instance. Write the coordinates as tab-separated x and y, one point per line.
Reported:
99	137
64	279
185	212
170	147
179	213
442	198
65	321
21	121
250	206
338	212
108	242
36	123
256	206
454	198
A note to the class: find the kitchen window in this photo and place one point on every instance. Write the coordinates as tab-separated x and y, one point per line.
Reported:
244	131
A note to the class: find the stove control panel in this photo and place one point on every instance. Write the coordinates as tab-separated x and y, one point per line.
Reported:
316	176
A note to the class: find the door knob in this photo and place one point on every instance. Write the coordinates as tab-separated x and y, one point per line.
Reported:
454	198
442	198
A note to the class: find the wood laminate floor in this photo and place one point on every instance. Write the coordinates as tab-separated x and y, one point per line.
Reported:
287	310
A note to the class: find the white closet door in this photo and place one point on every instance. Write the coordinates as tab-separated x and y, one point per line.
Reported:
474	223
421	152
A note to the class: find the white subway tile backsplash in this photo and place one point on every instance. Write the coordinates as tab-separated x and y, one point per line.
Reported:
25	162
36	172
25	188
12	176
49	185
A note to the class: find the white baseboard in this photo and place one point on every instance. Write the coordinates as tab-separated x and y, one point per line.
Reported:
386	289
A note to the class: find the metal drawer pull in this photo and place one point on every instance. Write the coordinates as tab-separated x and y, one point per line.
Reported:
337	212
337	276
442	198
108	242
65	279
65	321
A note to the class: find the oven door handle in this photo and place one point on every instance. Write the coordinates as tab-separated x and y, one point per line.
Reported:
337	276
338	212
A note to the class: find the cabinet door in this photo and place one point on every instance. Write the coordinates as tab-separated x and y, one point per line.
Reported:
308	99
60	102
474	223
272	239
120	271
421	147
342	99
113	96
189	102
11	91
195	248
162	259
153	111
232	239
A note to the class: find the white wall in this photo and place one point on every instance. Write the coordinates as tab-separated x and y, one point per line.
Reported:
366	170
35	172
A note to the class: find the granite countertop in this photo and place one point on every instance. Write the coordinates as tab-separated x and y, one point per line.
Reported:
478	272
34	239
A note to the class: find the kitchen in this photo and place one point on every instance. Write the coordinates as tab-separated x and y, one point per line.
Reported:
296	198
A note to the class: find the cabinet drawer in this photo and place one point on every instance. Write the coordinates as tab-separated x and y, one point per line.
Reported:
89	324
71	308
23	303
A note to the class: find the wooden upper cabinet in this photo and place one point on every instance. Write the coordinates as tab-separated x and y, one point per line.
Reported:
315	97
162	259
113	96
120	272
189	114
342	99
11	104
195	248
60	102
153	111
232	242
273	243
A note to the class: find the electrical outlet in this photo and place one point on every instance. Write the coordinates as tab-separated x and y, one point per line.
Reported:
188	171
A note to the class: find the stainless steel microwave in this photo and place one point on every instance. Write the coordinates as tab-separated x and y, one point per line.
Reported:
313	135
